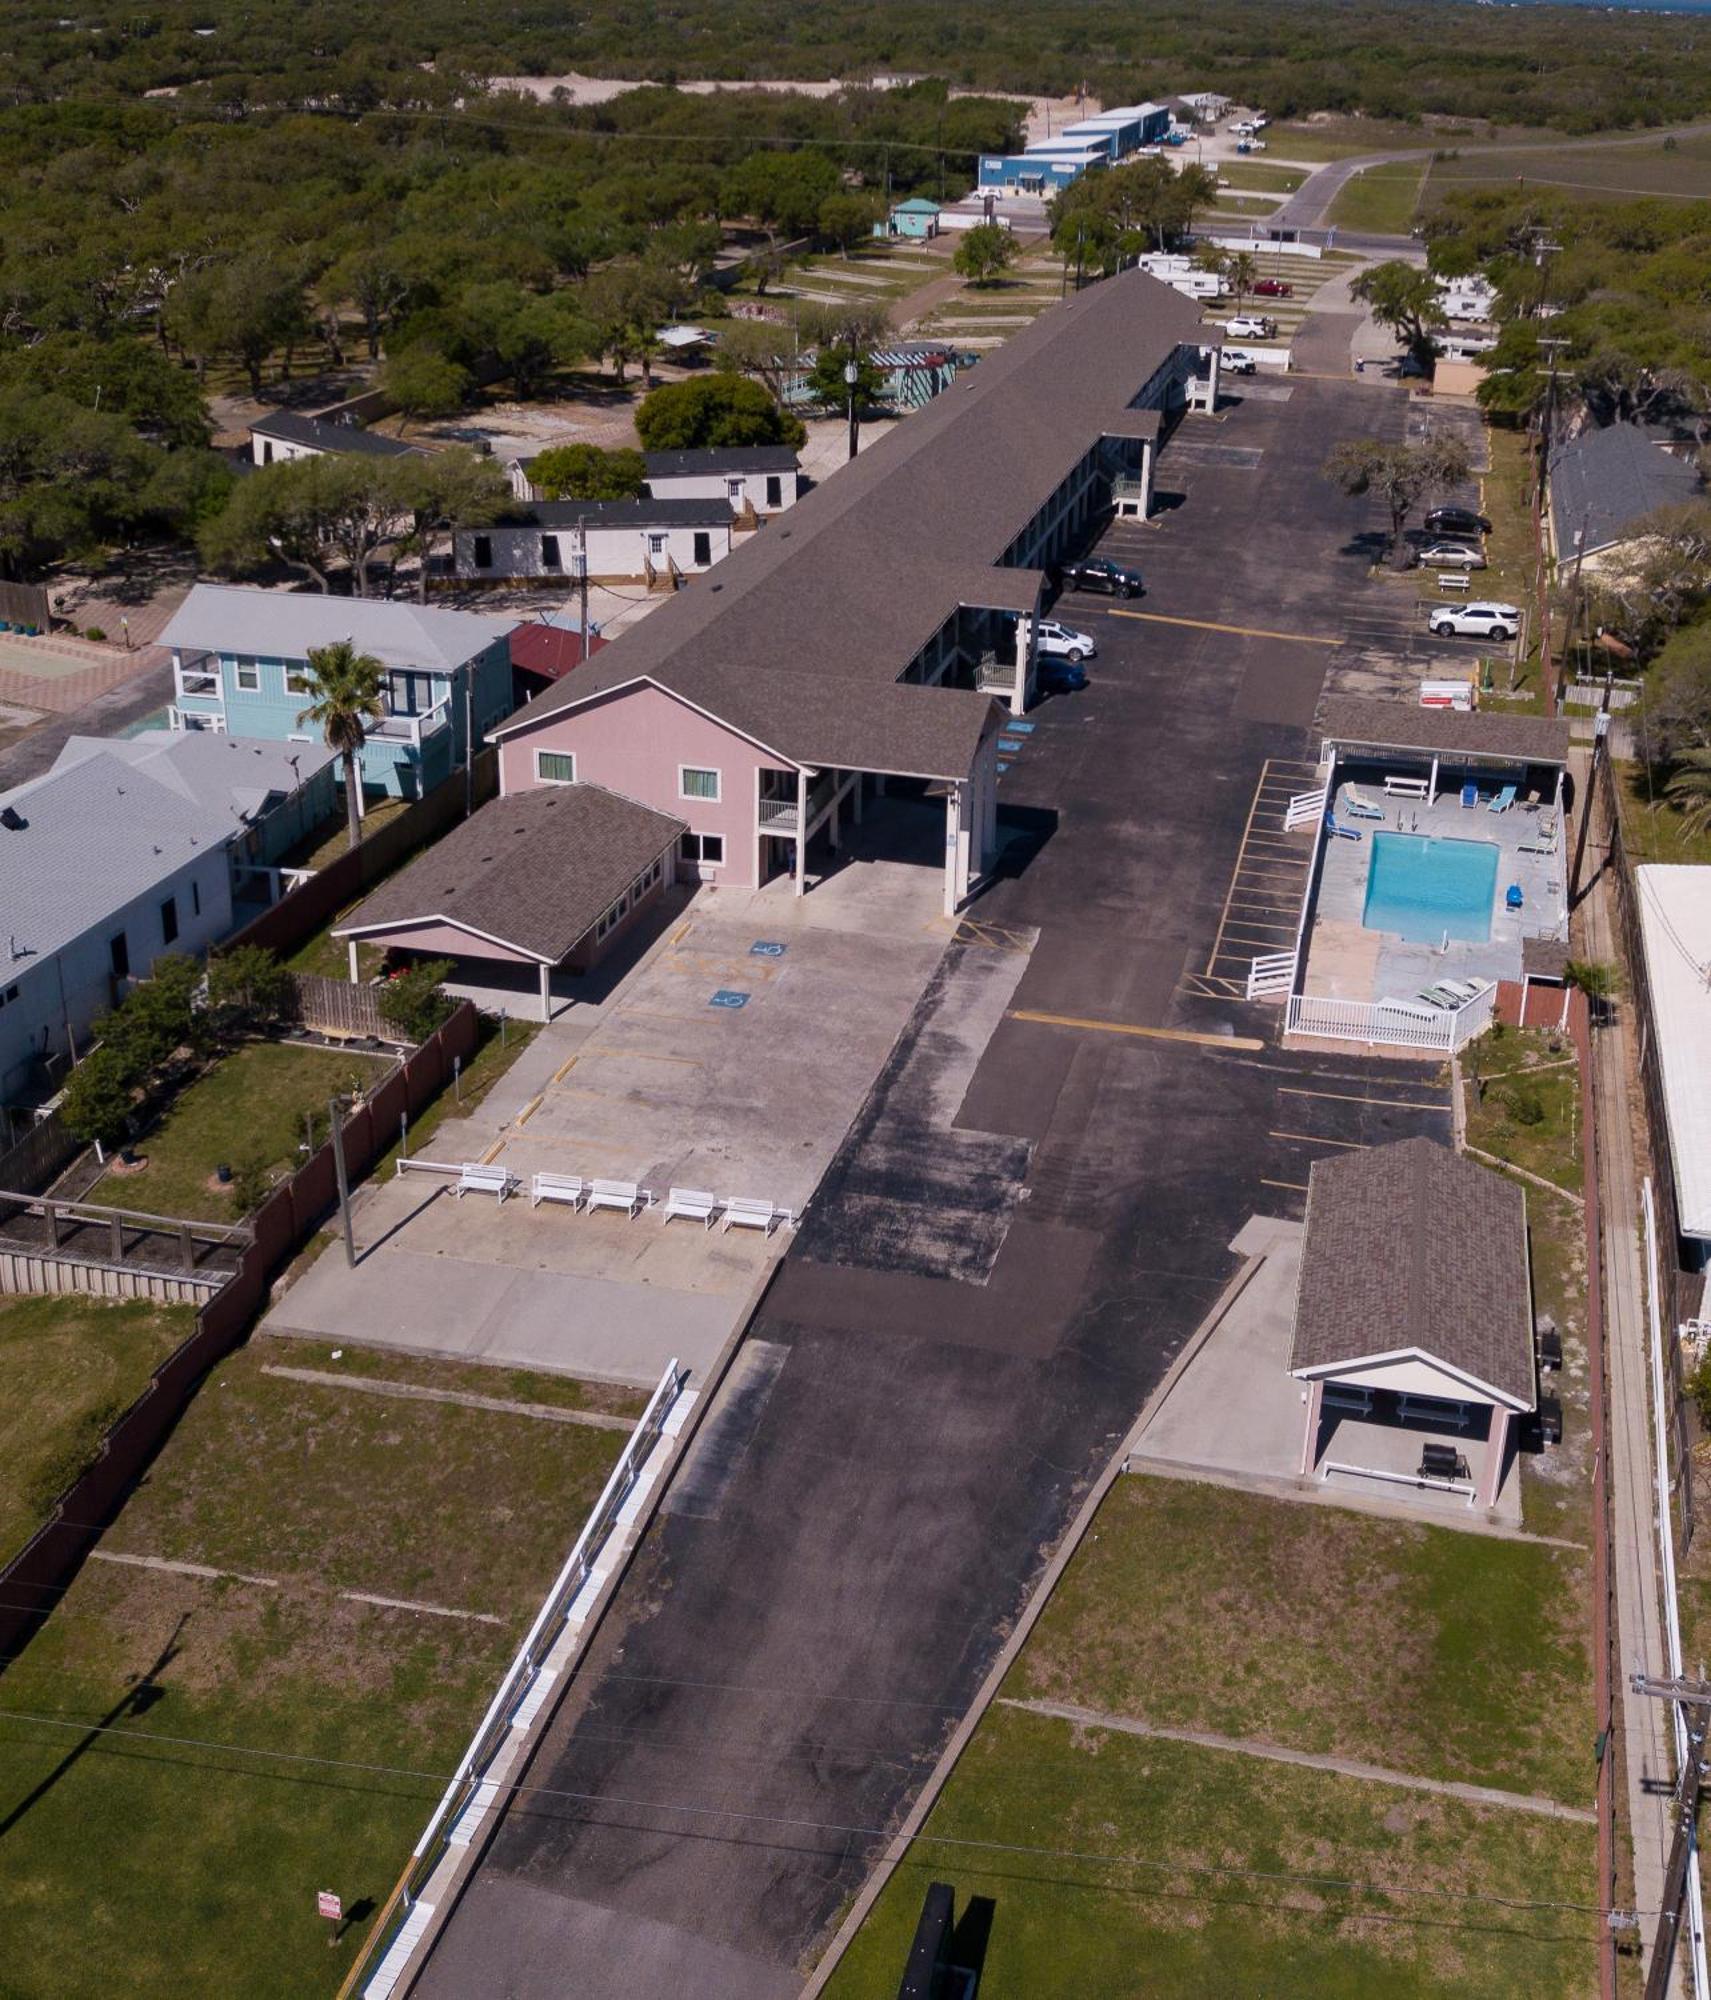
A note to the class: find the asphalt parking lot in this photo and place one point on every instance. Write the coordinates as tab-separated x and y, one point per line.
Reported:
789	1655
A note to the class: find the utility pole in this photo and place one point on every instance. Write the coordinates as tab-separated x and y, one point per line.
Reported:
1693	1704
852	374
335	1106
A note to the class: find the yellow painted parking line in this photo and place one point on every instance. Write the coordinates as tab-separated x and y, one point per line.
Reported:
564	1068
1238	631
1295	1187
1353	1097
1133	1028
493	1152
1319	1139
528	1111
636	1055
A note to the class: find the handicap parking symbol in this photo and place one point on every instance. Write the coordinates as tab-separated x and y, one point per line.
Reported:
766	948
728	996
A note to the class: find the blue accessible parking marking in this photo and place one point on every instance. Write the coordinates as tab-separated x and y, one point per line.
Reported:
1018	729
1002	767
728	996
767	948
1009	743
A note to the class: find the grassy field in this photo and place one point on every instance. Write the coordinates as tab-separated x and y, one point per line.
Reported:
1337	138
249	1108
1267	180
1528	1110
1481	1673
495	1052
1653	828
1383	199
481	1378
190	1866
1201	1913
1681	170
332	838
71	1365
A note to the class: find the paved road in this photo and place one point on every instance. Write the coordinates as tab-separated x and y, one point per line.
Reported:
1025	1224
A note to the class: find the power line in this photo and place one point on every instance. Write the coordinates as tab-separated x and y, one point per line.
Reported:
782	1821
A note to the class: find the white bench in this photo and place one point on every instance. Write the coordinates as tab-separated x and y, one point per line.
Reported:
568	1188
761	1215
624	1195
693	1202
475	1178
1453	579
1405	788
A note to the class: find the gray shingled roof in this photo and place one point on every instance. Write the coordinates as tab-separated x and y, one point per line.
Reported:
310	431
621	514
849	585
720	459
1409	1247
1604	482
534	870
1357	719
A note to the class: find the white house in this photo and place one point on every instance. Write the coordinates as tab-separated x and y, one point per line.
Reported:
612	541
282	434
124	850
763	478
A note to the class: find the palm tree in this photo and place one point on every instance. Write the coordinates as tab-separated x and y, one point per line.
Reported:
347	688
1241	272
1689	791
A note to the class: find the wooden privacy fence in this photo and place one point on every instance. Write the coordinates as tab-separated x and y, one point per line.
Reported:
31	1582
312	905
40	1155
336	1007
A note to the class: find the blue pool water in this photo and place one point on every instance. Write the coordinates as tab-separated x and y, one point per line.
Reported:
1419	888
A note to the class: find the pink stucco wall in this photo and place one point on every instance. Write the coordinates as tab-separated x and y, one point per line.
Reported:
633	741
445	941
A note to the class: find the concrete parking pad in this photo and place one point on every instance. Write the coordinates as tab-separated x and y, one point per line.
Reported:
654	1085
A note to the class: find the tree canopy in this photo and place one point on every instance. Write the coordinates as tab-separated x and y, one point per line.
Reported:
718	409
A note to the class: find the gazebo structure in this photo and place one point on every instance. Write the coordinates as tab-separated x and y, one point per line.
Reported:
544	879
1414	1314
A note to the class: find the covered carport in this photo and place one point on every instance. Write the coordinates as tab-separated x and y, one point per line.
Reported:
548	879
1413	1320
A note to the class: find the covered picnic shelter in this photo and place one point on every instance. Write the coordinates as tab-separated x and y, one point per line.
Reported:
1443	747
547	878
1413	1314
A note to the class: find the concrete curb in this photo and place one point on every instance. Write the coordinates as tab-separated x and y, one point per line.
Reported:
524	1752
900	1843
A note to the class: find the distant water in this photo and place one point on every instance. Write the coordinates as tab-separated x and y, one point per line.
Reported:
1605	7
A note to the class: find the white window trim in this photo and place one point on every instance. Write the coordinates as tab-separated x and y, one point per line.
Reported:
541	779
241	668
302	676
713	798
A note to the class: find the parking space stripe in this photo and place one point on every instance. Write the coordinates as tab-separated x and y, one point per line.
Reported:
1354	1097
1295	1187
1237	631
1319	1139
1134	1028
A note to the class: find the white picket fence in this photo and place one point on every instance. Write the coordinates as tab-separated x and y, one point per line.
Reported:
1304	808
1402	1024
1272	976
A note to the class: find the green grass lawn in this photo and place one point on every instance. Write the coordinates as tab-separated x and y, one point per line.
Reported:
1382	199
70	1365
495	1052
1528	1111
1651	827
1269	180
332	838
384	1364
249	1107
1421	1648
185	1868
1622	173
1066	1926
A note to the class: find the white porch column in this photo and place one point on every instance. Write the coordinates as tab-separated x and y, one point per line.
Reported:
1432	785
1556	801
801	831
546	992
1491	1480
957	843
350	947
1024	664
1310	1437
1148	449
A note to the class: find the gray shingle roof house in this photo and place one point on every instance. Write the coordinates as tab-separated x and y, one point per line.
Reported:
1361	722
540	878
293	436
1415	1296
1604	483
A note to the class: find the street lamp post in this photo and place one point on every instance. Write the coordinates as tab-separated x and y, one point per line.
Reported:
851	375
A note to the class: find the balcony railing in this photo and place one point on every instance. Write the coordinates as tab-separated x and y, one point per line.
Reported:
194	681
780	815
412	729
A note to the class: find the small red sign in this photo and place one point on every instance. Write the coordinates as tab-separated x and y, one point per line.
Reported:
328	1905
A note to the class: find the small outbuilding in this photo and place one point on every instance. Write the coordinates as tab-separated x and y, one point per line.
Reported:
545	878
1414	1315
917	218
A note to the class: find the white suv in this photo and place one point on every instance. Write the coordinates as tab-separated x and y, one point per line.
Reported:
1250	326
1064	642
1474	621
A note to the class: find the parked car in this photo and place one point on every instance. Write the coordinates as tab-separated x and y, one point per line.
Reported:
1272	288
1100	573
1449	555
1060	677
1237	361
1474	621
1462	521
1250	326
1064	642
1250	146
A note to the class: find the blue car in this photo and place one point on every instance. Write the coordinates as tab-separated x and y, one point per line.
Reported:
1061	677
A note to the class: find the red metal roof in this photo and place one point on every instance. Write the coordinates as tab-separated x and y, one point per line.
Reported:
551	651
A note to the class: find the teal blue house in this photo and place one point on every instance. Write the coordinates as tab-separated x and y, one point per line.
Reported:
917	218
240	661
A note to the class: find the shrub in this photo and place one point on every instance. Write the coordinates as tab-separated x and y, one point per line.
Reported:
413	1002
99	1096
96	633
248	991
1524	1105
1699	1388
250	1185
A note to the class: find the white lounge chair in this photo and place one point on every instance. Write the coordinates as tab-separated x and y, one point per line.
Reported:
1356	803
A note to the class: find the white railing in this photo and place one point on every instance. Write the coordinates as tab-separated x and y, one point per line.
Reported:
1401	1024
197	683
778	812
1304	808
1272	976
411	728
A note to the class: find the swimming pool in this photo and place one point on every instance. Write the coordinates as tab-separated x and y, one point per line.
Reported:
1419	888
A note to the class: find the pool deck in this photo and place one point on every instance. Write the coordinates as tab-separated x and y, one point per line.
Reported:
1346	961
